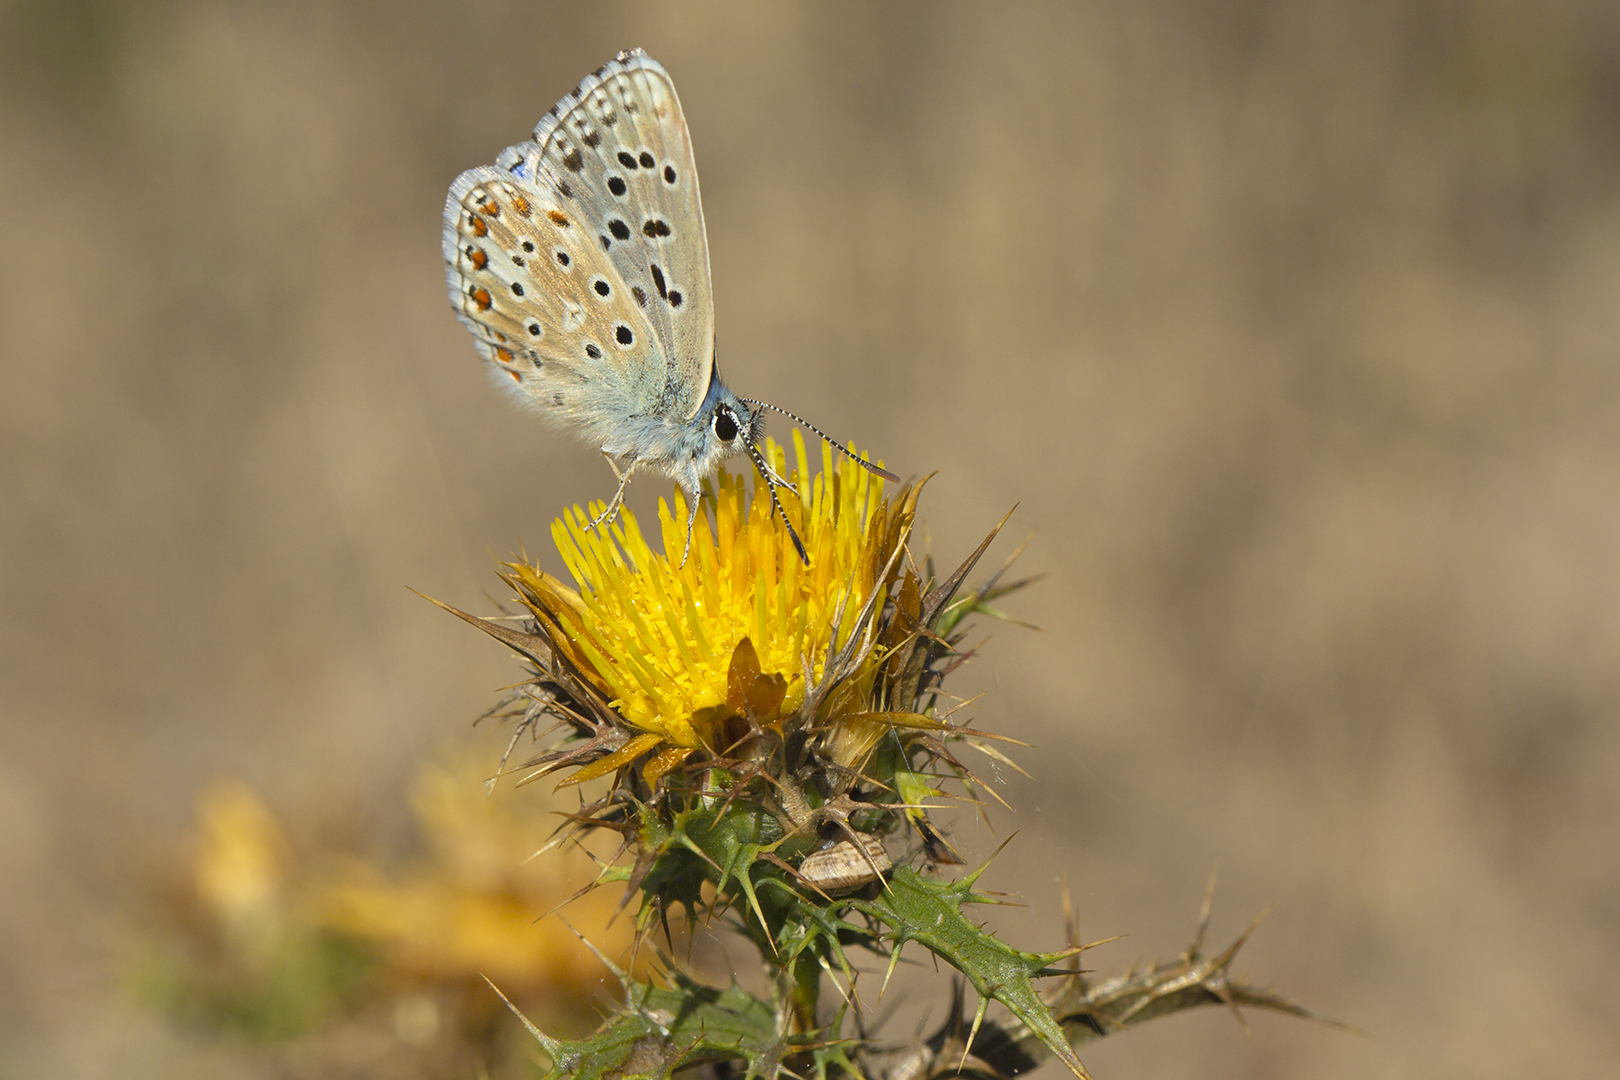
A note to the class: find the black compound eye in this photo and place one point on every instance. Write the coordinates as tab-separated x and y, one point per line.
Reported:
725	424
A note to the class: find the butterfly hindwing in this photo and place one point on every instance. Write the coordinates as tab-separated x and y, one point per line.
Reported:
545	305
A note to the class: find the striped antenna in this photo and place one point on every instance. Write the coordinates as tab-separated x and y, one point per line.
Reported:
862	462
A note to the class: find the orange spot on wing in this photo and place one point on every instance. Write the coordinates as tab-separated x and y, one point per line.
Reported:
479	259
559	217
490	208
478	226
505	355
521	205
481	298
517	376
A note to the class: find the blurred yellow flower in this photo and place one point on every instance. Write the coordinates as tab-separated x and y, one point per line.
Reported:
278	941
475	905
240	867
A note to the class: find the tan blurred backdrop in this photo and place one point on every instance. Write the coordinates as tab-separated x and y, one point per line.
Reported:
1291	328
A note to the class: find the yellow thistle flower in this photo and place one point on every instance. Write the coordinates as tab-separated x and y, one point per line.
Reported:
803	690
658	637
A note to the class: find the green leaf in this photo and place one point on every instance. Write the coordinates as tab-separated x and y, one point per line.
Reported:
929	911
664	1029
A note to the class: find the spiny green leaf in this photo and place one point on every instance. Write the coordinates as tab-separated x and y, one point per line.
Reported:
662	1029
929	911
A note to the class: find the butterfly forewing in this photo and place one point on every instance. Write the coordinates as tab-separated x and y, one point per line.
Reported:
621	157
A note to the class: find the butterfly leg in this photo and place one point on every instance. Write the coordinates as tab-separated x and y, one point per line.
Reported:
692	498
613	507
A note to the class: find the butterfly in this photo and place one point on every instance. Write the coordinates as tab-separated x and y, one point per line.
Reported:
580	263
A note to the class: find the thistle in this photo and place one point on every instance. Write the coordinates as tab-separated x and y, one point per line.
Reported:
771	734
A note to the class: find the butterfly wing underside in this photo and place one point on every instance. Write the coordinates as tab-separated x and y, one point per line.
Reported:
579	260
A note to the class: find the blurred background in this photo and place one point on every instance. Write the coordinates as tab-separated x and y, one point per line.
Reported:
1291	328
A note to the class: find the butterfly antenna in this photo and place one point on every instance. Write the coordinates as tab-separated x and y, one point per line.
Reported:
862	462
770	484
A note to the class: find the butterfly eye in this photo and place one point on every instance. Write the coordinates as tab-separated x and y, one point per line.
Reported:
725	424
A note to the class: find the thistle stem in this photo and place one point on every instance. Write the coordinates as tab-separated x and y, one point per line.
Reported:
806	975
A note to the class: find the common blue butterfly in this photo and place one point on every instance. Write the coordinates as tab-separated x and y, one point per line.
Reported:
580	264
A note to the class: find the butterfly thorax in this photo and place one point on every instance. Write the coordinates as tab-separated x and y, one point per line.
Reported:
688	451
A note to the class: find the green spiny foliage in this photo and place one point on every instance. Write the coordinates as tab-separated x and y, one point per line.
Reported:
929	912
662	1029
